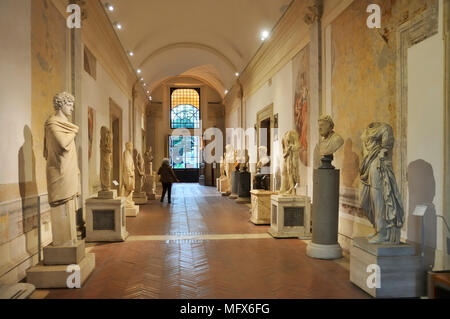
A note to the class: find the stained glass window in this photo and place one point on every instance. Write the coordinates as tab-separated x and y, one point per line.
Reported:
184	151
185	108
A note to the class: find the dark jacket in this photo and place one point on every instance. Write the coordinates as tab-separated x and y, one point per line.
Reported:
167	174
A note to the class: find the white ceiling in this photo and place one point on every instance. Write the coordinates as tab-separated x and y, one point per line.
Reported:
207	39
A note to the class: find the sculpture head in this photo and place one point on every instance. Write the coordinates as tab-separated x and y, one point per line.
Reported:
104	132
129	146
64	102
326	125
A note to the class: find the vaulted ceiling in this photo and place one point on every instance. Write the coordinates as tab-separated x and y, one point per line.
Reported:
209	40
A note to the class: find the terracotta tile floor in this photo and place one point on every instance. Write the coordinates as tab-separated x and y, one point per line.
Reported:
224	268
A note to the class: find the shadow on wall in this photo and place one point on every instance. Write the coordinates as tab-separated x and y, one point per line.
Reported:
28	187
421	191
350	164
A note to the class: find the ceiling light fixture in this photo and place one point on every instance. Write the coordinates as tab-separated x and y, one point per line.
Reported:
226	92
110	7
139	71
148	92
145	84
150	98
264	35
130	53
118	25
237	74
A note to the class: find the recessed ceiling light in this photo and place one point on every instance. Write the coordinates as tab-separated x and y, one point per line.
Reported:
110	7
130	53
145	84
139	71
118	25
148	92
142	79
226	92
150	98
237	74
264	35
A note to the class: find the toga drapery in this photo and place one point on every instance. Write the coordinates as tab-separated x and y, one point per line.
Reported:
62	161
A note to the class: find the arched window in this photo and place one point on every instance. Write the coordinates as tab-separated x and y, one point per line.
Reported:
184	108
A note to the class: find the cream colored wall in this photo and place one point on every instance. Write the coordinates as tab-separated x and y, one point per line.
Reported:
96	93
425	147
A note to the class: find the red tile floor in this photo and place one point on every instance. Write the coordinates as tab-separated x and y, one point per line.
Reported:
249	264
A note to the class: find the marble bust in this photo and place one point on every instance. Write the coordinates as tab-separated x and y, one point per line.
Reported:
380	198
330	142
63	174
290	173
105	158
128	182
264	159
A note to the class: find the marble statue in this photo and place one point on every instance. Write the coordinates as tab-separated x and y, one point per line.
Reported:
128	182
139	172
148	157
105	158
243	160
230	157
380	198
330	141
63	174
222	166
264	159
289	175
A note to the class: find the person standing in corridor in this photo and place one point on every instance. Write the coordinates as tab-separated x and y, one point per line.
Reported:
167	177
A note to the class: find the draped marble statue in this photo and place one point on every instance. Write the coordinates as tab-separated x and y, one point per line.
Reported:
105	158
380	198
63	174
230	157
128	182
139	172
290	173
330	141
148	158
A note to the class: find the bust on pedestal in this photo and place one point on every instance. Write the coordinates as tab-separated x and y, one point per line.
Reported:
325	215
262	177
128	181
150	182
290	213
105	214
63	183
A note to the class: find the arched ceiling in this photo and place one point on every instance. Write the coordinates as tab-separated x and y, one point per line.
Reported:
207	39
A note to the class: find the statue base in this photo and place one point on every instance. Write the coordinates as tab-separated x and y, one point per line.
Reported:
140	198
327	252
132	211
105	220
57	276
234	185
150	186
224	186
290	216
64	255
233	196
111	194
401	274
260	211
244	196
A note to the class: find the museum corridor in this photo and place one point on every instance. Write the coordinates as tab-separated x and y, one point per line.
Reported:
202	246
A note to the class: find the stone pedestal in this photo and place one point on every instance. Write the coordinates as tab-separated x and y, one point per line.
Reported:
260	212
131	211
217	184
150	187
400	271
290	216
325	215
105	220
223	186
111	194
140	198
59	265
64	224
244	196
234	185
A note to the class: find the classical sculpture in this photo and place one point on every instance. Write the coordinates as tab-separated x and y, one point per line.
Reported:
380	198
290	176
222	166
139	172
105	158
330	141
264	159
128	174
63	174
148	157
243	160
262	177
230	157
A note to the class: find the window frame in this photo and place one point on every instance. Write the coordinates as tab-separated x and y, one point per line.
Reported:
197	89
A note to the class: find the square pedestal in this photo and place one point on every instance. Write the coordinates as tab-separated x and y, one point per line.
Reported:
64	255
140	198
260	212
400	275
105	220
223	186
46	277
150	187
111	194
290	216
132	211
